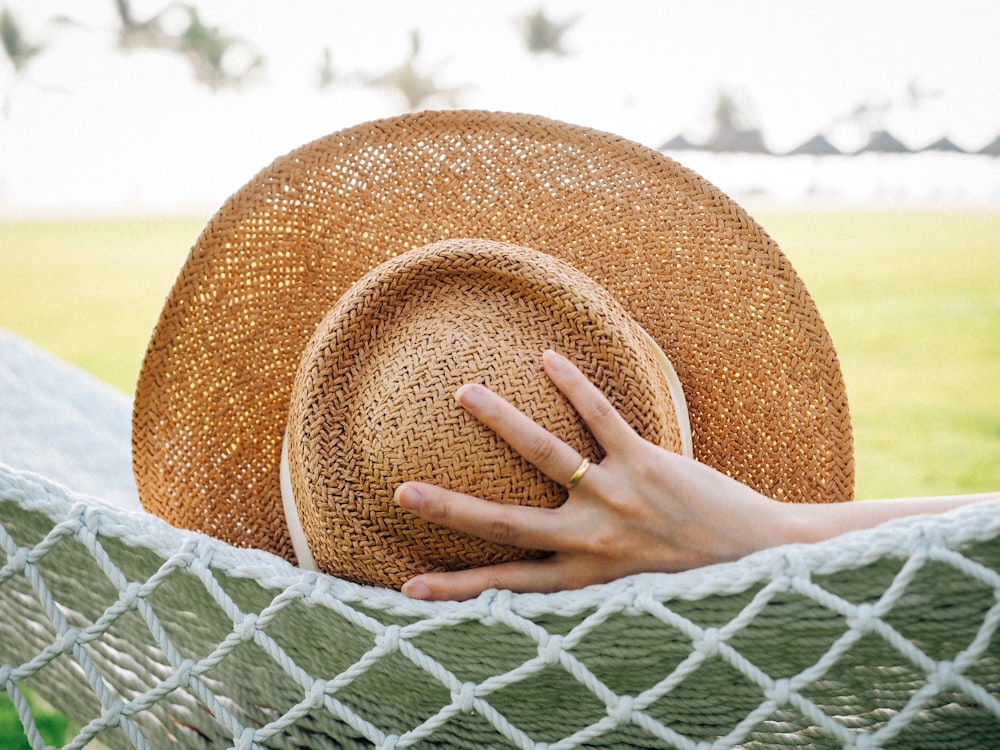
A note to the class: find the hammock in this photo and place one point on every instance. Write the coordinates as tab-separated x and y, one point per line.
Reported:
149	637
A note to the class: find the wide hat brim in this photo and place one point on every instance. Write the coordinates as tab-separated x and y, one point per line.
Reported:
763	385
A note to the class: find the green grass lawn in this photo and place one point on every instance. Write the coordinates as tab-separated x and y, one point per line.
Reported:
912	301
91	291
54	728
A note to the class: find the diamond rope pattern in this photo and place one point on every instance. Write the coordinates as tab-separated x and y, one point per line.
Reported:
148	637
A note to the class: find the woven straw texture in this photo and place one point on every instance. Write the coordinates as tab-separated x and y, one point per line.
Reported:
373	405
764	387
153	637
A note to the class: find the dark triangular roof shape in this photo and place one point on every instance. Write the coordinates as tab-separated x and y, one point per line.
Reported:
944	144
884	142
992	148
737	140
817	145
678	143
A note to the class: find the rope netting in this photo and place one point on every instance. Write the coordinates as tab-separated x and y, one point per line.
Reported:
147	636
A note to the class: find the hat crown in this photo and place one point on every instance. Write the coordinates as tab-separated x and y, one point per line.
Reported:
373	404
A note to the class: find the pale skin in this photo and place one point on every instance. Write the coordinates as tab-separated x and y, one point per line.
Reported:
641	509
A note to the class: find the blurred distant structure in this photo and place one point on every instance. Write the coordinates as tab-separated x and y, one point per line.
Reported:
731	132
740	140
880	142
992	148
944	144
818	145
679	143
884	142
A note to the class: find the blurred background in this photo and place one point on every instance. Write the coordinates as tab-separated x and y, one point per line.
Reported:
146	106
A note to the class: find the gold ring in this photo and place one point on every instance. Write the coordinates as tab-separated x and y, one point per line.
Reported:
578	474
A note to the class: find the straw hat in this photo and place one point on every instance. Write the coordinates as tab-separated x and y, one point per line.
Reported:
263	333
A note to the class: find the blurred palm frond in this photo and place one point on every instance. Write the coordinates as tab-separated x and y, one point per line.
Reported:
544	35
16	46
208	50
416	86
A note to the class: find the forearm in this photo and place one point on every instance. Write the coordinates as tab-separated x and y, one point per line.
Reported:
813	523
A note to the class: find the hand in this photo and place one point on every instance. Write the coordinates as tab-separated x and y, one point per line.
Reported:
640	509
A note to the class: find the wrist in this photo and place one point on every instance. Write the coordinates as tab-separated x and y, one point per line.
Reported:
795	524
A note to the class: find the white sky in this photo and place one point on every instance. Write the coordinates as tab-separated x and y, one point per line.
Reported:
95	129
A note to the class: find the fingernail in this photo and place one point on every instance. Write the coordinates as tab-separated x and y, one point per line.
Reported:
409	497
554	359
416	589
470	395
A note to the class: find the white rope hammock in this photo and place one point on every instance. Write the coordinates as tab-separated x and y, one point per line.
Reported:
148	637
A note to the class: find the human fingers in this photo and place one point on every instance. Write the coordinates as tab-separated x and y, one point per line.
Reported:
538	576
513	525
607	425
554	458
